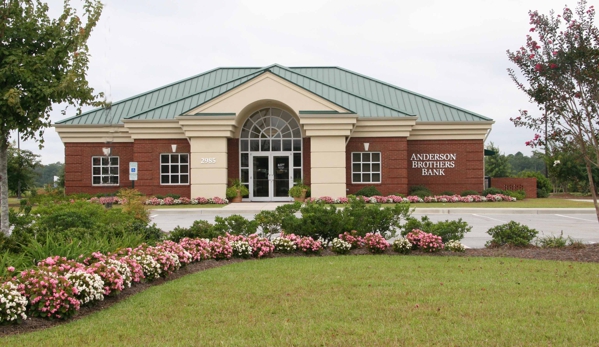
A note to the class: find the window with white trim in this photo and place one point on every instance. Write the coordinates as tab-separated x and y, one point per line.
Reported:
174	168
366	167
105	171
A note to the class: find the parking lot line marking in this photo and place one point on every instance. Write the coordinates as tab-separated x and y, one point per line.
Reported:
499	220
154	215
561	215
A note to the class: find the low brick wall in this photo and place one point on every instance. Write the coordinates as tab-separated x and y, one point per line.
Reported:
528	185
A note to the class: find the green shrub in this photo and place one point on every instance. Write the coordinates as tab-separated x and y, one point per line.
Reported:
231	192
159	196
543	183
492	191
469	192
371	218
200	229
512	233
519	195
319	221
552	241
235	224
447	192
174	196
448	230
269	222
542	193
368	191
420	191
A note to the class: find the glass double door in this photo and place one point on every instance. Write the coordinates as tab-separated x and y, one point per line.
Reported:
271	177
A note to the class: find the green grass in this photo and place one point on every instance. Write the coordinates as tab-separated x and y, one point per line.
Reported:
352	301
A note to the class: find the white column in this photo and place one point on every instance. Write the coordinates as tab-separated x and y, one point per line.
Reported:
208	167
328	170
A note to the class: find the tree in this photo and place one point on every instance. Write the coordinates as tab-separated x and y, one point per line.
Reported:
561	70
46	173
496	165
520	162
43	61
21	169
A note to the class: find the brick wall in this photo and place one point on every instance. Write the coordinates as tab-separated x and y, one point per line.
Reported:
147	155
528	185
78	167
232	159
466	175
394	175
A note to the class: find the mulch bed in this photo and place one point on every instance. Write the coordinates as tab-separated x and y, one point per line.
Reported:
590	253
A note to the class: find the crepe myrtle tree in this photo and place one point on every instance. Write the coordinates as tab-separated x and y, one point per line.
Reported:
43	61
559	70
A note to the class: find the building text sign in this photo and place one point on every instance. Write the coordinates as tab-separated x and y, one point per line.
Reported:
433	164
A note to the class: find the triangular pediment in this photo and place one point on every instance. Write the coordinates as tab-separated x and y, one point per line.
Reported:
264	88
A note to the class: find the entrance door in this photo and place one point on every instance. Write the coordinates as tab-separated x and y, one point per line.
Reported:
270	177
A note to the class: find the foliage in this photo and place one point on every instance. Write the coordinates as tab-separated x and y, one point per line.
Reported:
450	193
340	247
318	221
492	191
133	204
448	230
375	243
518	194
553	241
543	182
220	248
455	246
21	169
368	191
520	162
373	218
234	224
43	62
298	190
512	233
401	245
237	188
12	304
200	229
469	192
270	222
561	71
49	295
420	191
496	165
45	174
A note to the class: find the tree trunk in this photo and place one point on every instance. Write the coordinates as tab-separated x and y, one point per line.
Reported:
592	188
4	187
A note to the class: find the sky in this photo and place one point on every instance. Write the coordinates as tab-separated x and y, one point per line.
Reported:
453	51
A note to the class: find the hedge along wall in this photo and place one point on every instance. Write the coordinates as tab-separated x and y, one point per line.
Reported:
465	172
528	185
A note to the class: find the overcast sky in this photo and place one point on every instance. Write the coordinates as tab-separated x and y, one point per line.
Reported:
454	51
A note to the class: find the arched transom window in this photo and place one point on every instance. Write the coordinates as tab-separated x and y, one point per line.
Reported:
271	130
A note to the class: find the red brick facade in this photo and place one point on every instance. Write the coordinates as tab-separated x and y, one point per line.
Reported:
398	171
78	166
468	170
528	185
394	154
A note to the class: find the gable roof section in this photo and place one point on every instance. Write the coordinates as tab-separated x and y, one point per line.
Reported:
367	97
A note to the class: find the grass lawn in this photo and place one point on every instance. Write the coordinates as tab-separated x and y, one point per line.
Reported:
352	301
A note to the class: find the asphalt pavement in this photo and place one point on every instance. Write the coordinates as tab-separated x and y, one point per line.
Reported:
580	224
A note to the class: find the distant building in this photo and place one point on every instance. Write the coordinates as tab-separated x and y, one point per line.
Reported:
335	129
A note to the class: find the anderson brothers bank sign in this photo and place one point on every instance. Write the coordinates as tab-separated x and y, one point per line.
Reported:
433	164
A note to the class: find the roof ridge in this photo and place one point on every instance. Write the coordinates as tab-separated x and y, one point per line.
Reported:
410	92
153	90
259	72
345	91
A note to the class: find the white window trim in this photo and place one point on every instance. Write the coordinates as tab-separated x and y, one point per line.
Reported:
380	162
188	170
118	175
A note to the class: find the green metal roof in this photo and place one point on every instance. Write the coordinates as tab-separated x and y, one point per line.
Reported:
359	94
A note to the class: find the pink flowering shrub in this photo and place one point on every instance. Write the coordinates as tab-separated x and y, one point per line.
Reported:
309	245
261	246
375	243
113	281
425	241
199	249
353	239
220	248
49	295
175	248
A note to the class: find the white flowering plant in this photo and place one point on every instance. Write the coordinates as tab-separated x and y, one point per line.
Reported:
340	247
241	249
284	245
455	246
90	286
12	304
401	245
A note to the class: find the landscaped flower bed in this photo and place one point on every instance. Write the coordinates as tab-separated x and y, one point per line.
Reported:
394	199
58	287
154	201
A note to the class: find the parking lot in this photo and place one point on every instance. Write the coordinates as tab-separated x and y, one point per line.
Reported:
579	226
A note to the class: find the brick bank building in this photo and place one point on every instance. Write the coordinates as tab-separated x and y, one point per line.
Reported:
335	129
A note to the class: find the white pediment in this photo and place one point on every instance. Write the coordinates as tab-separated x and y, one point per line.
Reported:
266	87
